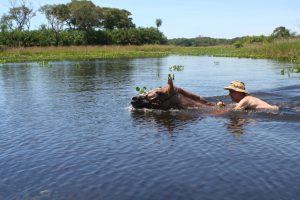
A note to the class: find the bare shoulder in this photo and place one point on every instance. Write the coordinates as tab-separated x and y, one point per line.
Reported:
256	103
244	103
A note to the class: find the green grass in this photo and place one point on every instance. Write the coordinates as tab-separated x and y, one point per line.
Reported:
285	50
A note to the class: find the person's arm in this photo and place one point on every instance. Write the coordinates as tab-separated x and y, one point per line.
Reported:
220	109
220	112
243	104
239	107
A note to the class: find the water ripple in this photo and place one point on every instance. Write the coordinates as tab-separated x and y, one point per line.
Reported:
70	133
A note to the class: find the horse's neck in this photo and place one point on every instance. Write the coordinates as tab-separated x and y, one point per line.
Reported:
197	99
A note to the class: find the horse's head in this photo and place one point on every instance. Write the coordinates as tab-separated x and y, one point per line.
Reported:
168	97
159	98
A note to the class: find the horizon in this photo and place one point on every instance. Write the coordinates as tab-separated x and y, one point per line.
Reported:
191	19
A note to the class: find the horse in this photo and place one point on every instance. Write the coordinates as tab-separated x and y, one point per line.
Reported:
169	97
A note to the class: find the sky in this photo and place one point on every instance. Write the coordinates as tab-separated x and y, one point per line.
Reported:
193	18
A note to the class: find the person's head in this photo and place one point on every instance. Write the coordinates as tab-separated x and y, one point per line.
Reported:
237	90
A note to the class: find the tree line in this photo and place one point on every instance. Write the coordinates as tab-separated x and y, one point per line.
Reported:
79	22
278	33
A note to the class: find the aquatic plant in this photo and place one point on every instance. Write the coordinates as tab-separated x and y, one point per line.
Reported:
28	65
44	64
171	76
2	62
141	90
173	69
283	49
291	70
77	65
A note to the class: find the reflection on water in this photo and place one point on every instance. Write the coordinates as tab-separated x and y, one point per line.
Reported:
236	125
66	132
170	120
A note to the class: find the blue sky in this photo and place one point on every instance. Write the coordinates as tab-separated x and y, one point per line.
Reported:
192	18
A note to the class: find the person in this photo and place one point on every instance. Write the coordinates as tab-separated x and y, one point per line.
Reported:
244	100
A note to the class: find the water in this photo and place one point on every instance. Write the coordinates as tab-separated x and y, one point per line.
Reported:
67	132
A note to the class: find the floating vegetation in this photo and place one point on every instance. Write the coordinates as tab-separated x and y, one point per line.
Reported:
297	68
2	62
142	90
284	50
44	64
28	65
173	69
291	70
77	65
171	76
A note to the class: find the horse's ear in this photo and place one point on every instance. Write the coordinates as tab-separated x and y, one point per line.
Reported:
171	86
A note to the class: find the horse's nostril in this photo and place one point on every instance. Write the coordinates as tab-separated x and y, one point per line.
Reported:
134	99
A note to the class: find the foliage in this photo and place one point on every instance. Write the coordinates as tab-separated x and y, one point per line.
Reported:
281	32
46	37
2	62
141	90
238	44
115	18
171	76
181	42
136	36
291	70
284	50
173	69
198	41
18	17
158	23
251	40
57	16
75	23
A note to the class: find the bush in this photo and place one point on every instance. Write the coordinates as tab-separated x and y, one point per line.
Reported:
46	37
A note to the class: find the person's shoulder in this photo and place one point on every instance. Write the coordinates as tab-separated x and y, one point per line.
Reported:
242	104
253	99
247	99
250	98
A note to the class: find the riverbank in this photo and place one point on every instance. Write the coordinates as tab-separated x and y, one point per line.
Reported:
285	50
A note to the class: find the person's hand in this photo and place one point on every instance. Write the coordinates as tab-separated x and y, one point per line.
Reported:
220	104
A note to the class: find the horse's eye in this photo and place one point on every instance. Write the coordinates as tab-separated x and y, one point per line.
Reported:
160	94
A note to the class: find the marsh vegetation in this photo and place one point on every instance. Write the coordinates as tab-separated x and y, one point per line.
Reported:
82	30
284	50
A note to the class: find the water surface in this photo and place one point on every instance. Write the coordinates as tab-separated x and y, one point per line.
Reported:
67	132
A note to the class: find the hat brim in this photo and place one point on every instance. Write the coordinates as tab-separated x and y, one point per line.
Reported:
236	89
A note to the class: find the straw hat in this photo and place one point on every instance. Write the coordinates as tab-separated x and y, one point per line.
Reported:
237	86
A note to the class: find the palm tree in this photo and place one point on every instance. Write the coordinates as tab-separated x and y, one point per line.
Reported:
158	23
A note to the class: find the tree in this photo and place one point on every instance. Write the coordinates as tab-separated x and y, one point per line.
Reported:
158	23
57	16
5	23
83	14
116	18
281	32
19	16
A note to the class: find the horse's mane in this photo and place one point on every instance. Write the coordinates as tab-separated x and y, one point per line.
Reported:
192	96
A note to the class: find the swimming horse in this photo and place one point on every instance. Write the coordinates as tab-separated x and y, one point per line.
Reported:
169	97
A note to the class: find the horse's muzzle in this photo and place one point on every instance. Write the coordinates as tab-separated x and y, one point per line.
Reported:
140	102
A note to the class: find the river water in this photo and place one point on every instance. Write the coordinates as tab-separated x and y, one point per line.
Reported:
67	131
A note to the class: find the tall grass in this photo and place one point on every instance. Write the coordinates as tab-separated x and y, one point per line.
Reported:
286	50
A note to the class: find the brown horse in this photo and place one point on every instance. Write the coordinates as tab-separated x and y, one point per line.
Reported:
169	97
